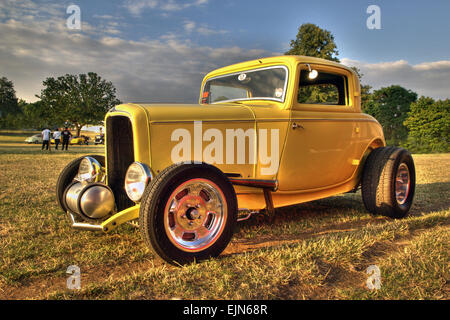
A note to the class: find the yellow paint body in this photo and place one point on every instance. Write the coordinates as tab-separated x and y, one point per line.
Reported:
321	157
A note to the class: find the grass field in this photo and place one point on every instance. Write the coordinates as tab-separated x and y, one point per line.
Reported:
316	250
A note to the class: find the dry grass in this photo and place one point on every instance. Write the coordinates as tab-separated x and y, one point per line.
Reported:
317	250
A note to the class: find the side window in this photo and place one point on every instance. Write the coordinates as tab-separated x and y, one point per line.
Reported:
326	88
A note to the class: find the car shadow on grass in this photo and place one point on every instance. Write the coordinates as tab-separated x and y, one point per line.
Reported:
337	214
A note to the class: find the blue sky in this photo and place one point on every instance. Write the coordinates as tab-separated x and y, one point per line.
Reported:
147	46
411	30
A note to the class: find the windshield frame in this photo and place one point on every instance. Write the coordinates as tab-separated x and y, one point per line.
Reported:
281	99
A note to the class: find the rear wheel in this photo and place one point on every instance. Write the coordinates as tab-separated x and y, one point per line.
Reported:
188	213
68	174
388	182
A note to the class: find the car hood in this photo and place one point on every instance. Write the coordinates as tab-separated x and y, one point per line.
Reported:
192	112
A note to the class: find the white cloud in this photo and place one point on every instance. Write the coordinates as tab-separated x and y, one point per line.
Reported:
189	26
428	78
207	31
137	7
165	69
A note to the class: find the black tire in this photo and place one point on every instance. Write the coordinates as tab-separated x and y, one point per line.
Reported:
379	181
161	190
66	177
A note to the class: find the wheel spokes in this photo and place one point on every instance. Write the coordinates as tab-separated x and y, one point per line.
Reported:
195	214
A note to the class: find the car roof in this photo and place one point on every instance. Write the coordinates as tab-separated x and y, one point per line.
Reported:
285	60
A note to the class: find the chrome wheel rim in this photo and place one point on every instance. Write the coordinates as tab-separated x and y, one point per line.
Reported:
195	215
402	184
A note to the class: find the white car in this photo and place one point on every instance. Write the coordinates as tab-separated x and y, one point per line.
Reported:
37	138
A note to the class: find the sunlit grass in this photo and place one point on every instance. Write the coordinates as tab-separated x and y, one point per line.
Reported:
317	250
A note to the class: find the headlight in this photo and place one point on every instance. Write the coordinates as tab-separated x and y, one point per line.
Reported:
89	170
136	179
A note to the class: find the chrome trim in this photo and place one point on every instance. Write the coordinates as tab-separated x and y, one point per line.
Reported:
90	201
97	167
402	184
71	196
265	120
248	216
83	225
282	99
335	119
96	201
195	215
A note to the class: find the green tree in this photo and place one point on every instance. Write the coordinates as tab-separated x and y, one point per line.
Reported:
428	123
390	106
80	100
313	41
9	107
35	116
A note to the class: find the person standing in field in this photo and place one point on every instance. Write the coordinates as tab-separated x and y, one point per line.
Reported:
46	138
57	137
65	138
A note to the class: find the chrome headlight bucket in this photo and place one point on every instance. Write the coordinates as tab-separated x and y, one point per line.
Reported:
90	170
136	179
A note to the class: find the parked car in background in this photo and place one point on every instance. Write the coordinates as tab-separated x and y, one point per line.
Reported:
36	139
80	140
99	139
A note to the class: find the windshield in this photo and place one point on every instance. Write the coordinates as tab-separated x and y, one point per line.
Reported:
265	83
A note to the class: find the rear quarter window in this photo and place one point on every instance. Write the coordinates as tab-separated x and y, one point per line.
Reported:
327	89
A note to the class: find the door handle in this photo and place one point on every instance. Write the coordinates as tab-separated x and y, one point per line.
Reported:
295	125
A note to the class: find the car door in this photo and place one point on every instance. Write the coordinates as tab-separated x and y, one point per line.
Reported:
322	132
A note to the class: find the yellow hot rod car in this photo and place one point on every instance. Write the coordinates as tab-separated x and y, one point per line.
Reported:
266	133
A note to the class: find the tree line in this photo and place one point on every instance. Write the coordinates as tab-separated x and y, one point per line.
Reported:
420	124
69	100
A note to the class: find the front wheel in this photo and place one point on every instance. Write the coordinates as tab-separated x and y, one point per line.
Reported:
188	213
388	182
